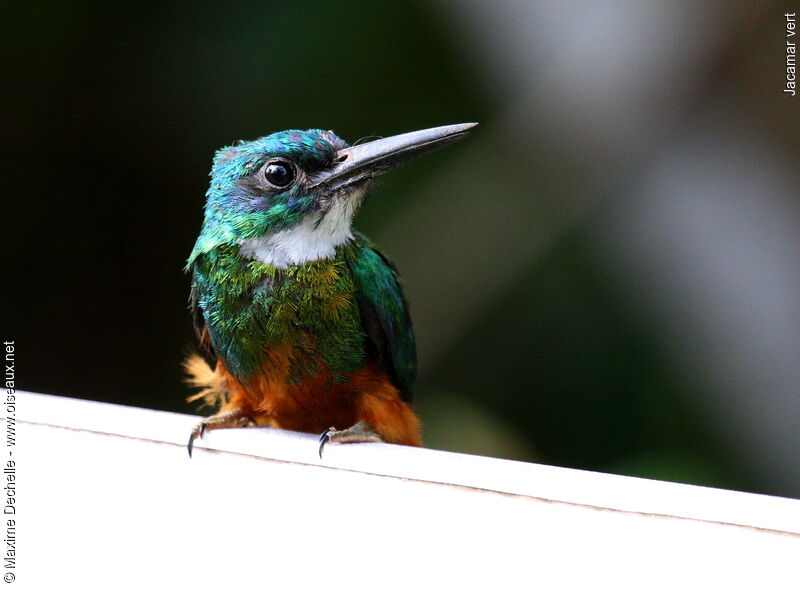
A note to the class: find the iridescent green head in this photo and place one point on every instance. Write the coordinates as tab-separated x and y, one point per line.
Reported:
290	197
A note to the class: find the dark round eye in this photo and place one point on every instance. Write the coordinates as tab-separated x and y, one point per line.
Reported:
279	173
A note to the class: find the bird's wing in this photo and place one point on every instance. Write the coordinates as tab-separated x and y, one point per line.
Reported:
199	322
384	314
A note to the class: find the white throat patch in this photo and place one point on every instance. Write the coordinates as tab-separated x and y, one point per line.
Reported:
306	241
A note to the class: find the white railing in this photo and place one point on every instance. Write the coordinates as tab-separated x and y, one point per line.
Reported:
108	501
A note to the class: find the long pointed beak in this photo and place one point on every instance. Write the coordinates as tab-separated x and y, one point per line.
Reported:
366	161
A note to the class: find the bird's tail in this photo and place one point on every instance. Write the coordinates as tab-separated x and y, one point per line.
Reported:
210	382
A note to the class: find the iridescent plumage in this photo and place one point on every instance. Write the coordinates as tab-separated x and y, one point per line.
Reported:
305	318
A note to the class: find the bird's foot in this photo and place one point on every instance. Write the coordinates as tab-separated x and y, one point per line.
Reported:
360	432
231	419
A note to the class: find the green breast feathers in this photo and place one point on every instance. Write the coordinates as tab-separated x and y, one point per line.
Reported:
333	314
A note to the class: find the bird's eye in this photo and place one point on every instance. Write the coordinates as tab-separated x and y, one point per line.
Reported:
279	173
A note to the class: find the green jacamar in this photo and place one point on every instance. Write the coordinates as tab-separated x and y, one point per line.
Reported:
304	317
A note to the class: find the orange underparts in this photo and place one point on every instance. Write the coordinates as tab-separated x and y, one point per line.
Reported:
313	405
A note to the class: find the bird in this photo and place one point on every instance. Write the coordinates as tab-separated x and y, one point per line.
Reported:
303	318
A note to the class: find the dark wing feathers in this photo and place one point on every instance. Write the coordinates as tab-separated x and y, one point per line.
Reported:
384	314
199	323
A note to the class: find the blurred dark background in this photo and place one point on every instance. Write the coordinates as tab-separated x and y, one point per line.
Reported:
604	275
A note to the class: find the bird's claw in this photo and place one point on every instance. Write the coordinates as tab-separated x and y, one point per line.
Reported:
360	432
232	418
197	433
324	438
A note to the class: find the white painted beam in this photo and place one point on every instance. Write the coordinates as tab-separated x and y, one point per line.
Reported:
109	502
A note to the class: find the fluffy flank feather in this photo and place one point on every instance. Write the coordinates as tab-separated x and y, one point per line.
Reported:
211	383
